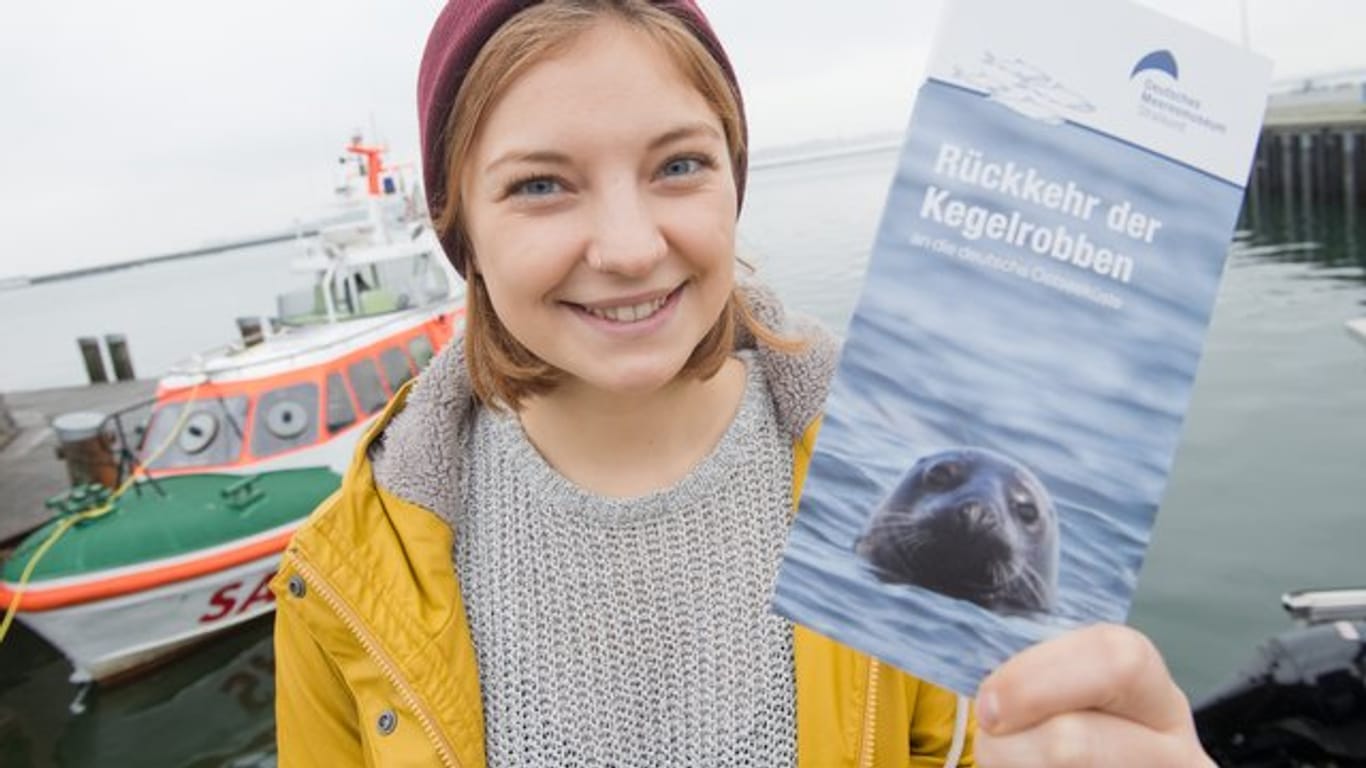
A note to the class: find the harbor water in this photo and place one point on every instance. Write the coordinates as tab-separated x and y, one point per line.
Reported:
1267	493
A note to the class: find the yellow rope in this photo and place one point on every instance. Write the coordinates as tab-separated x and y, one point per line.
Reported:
90	514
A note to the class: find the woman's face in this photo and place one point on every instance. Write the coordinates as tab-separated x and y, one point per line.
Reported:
600	206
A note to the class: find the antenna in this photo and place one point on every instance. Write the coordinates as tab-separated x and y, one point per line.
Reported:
1247	36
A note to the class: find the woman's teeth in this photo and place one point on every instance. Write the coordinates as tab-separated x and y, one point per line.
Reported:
629	314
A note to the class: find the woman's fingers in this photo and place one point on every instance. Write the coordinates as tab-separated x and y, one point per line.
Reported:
1106	668
1089	740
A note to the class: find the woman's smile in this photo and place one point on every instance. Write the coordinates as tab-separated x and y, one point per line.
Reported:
632	315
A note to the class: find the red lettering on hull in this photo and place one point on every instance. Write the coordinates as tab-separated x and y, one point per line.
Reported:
261	594
224	602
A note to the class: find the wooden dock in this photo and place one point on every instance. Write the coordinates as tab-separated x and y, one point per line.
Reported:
30	471
1313	144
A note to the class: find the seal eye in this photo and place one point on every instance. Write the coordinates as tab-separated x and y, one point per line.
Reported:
942	476
1026	511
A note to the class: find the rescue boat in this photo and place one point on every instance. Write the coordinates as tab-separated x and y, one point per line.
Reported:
240	445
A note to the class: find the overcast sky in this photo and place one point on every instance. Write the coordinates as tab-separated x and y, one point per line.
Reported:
145	126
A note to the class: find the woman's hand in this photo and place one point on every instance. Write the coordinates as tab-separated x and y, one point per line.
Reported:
1099	696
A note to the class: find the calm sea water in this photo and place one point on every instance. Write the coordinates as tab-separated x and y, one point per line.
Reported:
1267	493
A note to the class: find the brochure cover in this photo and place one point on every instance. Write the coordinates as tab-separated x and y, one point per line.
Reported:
1013	382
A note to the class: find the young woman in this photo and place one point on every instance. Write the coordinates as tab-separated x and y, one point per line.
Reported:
556	547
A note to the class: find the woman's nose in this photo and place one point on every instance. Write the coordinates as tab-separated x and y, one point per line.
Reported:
627	239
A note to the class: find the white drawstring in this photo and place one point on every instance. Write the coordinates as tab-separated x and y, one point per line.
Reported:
960	732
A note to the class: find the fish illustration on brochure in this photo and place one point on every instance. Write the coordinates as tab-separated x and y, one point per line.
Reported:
1014	379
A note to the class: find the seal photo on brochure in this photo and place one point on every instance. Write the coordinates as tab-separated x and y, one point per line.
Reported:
970	524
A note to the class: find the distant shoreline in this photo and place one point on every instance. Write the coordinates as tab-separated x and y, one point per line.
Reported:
816	151
22	281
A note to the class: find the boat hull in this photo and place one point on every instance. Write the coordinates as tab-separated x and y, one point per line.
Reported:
106	638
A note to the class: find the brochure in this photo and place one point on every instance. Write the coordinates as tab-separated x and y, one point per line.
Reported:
1013	382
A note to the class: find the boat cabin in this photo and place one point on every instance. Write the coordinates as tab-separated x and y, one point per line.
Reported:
376	281
237	423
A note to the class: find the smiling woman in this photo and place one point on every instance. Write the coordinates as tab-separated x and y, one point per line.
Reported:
577	225
557	546
551	170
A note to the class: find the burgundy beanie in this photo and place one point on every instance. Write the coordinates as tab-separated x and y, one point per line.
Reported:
455	40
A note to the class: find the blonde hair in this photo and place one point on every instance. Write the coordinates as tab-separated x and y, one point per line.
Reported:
502	370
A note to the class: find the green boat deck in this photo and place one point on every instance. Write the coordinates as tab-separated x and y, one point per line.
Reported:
175	516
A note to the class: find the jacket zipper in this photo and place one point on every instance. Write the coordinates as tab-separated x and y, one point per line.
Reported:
377	654
869	717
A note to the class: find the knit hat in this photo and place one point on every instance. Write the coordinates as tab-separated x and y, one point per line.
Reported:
455	40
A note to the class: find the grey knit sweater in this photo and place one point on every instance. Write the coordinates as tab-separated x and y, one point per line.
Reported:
620	632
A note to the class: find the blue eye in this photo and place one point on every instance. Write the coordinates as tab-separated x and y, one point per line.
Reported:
681	166
537	187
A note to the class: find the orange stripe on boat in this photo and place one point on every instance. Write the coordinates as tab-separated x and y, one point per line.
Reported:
35	599
438	331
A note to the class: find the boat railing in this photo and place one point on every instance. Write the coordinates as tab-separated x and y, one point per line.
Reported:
309	307
350	291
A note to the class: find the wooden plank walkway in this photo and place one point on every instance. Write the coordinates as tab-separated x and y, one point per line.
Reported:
30	471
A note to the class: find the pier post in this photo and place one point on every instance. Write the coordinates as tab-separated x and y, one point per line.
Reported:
1254	183
1349	190
1287	165
1307	172
86	448
1349	169
1323	161
1287	180
1306	169
118	355
94	362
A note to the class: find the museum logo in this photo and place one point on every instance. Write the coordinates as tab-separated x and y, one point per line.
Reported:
1163	100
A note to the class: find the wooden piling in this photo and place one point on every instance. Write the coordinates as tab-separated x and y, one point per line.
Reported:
86	448
94	362
1254	184
1306	171
118	355
1349	168
1311	153
1322	149
1287	166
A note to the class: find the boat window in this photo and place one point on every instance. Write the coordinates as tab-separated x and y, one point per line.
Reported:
198	433
396	367
286	418
421	350
365	380
340	413
211	433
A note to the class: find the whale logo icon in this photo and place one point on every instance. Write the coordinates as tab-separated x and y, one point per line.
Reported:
1162	61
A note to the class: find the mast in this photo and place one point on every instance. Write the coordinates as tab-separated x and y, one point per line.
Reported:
374	169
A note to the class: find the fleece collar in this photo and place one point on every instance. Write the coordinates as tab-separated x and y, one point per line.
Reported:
417	457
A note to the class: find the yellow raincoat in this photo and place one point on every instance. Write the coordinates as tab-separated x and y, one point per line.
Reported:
375	665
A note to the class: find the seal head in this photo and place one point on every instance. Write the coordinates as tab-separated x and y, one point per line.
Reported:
970	524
